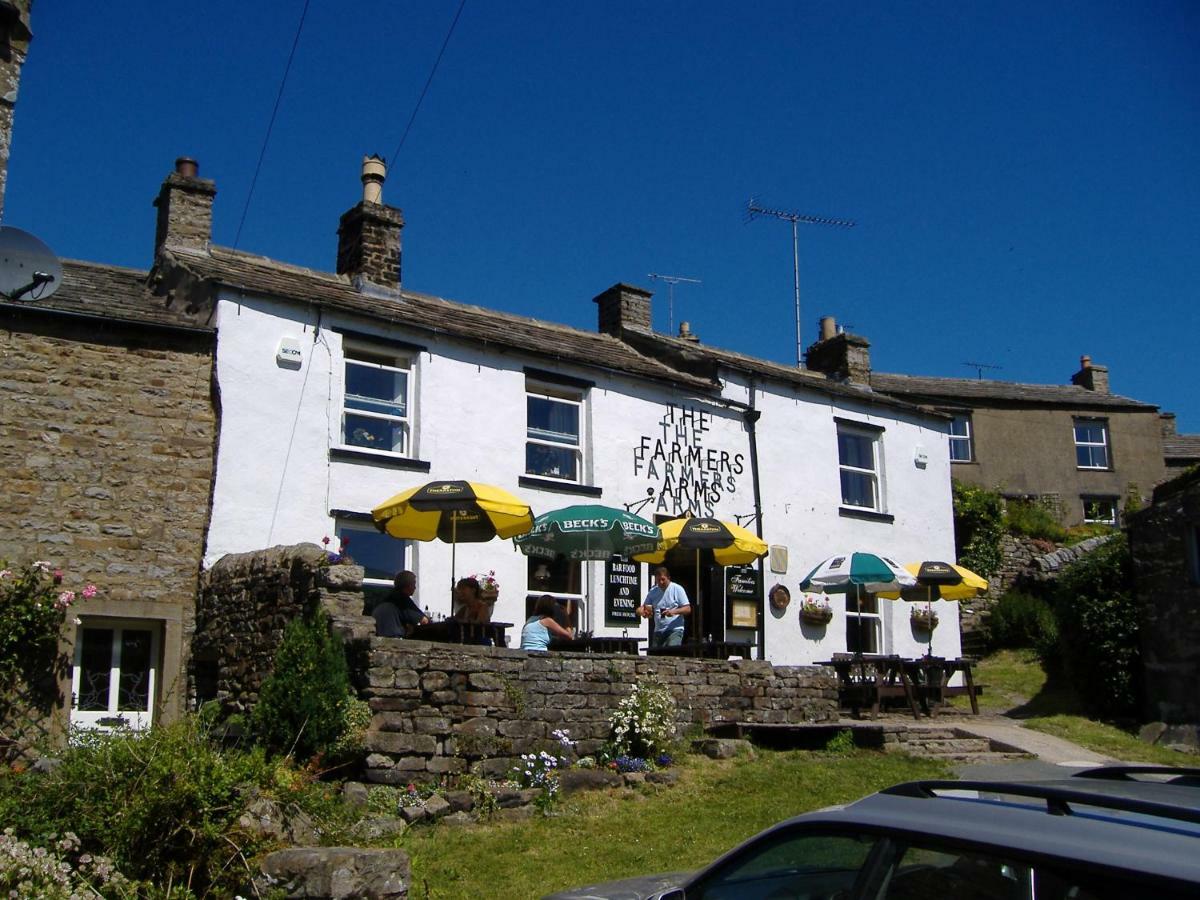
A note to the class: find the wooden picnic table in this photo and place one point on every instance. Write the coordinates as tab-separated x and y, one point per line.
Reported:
868	679
452	631
598	644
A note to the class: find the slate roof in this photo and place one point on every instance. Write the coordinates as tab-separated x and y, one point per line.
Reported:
804	378
977	392
1181	447
107	292
425	313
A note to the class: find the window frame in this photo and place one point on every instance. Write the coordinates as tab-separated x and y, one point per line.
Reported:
867	614
1094	499
1105	444
106	719
573	395
967	438
402	361
873	436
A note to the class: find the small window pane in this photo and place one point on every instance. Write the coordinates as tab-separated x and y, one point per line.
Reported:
379	390
856	450
1100	510
553	420
858	489
553	576
380	555
794	865
96	670
375	434
134	691
553	462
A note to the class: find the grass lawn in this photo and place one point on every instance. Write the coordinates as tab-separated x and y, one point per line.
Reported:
1017	684
600	835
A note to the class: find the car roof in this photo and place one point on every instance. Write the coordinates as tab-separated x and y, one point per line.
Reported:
1106	817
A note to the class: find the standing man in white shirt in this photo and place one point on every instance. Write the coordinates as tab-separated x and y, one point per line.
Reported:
668	603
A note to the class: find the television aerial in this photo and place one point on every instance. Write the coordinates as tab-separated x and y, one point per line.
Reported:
29	270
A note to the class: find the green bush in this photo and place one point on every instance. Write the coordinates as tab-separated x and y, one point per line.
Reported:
978	526
162	804
1033	520
304	705
1022	620
1097	615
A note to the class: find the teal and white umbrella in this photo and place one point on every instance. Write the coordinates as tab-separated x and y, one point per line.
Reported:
857	574
851	573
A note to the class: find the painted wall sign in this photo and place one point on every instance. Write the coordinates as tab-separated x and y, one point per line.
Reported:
622	593
685	474
742	593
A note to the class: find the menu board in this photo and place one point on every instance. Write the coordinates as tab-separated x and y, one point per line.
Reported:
622	593
742	596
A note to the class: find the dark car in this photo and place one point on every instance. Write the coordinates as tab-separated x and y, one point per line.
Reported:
1113	832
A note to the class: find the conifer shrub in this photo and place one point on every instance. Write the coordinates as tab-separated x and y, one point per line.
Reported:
305	704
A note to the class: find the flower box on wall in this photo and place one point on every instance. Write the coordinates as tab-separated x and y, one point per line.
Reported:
816	615
925	620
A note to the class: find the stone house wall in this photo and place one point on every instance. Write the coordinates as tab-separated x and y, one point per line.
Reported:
1164	540
442	708
106	444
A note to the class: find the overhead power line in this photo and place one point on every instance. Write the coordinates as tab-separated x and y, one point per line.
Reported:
428	81
271	124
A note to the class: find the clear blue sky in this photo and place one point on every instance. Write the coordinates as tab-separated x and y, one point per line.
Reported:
1024	175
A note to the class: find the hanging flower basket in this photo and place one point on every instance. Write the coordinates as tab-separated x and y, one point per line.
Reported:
815	613
924	619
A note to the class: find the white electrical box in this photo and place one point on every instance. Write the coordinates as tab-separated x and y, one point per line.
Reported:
289	354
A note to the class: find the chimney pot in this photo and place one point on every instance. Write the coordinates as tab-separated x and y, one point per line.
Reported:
828	327
1085	362
187	167
374	174
686	333
1090	376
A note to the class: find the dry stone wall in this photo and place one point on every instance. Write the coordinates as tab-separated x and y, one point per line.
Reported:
447	708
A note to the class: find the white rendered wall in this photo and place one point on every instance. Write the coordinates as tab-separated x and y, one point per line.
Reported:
276	483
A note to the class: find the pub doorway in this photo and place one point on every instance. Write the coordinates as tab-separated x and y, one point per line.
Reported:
709	600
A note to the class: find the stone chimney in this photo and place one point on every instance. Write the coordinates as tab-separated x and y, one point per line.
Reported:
686	333
369	233
624	306
1166	421
184	208
1090	377
840	355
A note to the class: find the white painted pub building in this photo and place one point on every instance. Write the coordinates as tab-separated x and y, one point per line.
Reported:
337	391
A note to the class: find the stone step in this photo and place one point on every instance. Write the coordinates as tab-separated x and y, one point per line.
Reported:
946	746
932	734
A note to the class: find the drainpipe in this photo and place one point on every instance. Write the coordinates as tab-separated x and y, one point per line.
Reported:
750	416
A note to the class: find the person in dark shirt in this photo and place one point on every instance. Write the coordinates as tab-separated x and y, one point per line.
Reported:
397	614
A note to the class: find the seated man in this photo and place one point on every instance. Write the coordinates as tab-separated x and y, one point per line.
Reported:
398	613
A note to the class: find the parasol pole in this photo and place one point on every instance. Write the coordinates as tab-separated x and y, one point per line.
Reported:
929	613
699	632
453	554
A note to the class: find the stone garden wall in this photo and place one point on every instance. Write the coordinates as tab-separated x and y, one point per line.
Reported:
446	708
443	708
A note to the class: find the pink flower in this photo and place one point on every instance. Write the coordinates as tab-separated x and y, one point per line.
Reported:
5	573
65	599
41	564
325	540
89	592
58	573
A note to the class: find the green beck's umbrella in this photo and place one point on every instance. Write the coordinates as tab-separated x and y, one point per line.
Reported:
588	532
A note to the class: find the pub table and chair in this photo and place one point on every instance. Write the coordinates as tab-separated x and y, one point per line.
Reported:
868	681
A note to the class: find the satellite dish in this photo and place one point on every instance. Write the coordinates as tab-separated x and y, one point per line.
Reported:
29	270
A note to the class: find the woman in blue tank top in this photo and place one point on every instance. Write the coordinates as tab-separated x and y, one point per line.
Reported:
540	628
